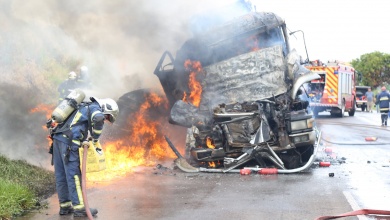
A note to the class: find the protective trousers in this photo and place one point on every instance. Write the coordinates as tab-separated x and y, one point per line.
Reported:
67	172
384	116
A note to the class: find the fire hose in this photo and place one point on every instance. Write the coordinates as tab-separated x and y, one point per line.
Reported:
356	212
84	181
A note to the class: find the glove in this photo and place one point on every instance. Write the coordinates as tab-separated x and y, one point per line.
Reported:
96	143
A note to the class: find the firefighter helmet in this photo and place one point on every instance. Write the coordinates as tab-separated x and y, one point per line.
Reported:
84	72
72	75
109	108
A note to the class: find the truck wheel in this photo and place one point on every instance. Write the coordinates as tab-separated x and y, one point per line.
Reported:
352	111
342	110
363	108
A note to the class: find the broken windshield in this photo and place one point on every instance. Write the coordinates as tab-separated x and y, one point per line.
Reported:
247	43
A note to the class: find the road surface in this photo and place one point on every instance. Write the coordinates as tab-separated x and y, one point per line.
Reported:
361	180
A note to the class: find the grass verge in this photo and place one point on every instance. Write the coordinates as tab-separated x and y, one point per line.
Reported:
22	186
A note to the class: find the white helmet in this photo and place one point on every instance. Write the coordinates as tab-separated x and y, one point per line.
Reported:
109	108
72	75
83	70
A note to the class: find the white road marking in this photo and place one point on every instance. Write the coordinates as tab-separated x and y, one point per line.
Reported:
352	202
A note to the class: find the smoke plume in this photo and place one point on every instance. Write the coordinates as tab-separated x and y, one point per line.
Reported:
42	41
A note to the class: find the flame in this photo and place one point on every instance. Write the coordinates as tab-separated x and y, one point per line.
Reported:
252	42
209	143
143	144
47	109
194	85
212	164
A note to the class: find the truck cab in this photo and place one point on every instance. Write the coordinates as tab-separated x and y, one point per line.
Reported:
249	110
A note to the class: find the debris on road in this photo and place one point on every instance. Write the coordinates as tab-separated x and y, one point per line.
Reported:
245	171
324	164
371	138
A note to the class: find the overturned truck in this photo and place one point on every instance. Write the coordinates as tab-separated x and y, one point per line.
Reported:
250	113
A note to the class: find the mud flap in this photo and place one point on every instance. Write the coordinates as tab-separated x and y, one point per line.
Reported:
180	162
184	166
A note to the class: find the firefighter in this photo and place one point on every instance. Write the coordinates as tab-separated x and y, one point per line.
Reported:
67	86
67	139
383	100
83	78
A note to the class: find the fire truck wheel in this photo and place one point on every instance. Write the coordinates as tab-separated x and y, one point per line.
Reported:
342	110
352	111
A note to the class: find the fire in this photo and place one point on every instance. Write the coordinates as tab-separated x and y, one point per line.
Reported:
212	164
194	85
143	144
47	109
253	43
209	143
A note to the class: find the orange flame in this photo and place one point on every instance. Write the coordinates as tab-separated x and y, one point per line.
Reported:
252	42
212	164
209	143
193	84
143	145
47	109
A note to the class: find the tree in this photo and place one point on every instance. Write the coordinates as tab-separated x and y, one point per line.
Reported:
374	68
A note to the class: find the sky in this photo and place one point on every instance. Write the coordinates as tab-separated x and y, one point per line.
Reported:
334	29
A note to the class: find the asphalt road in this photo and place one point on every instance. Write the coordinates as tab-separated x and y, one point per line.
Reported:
361	180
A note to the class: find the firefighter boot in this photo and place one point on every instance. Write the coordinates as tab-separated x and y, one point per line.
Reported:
66	208
83	213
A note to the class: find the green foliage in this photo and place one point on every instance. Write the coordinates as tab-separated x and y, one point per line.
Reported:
374	67
22	185
14	199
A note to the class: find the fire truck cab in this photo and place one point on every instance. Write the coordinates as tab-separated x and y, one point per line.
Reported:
335	91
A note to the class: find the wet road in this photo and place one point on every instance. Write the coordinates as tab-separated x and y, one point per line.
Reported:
363	181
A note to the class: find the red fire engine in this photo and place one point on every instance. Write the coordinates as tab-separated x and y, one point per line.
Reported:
335	91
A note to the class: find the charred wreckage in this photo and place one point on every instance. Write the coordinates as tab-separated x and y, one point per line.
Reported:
250	113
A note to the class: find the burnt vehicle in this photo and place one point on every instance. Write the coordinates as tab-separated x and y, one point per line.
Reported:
250	113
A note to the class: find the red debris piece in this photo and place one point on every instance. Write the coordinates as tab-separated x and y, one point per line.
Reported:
245	171
324	164
328	150
268	171
371	138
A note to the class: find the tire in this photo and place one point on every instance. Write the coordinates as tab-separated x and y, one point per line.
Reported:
352	111
341	114
363	108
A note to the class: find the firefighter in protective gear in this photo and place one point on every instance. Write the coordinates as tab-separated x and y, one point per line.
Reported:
67	139
383	100
67	86
83	79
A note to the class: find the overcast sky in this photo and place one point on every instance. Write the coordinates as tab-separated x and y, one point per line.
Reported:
335	29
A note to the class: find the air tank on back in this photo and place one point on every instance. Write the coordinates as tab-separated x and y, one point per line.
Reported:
67	106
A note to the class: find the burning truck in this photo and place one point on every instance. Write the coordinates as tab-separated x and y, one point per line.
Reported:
236	87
